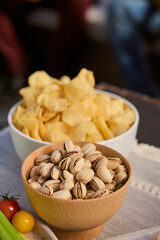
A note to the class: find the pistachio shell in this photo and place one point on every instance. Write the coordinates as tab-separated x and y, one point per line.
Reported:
88	147
113	163
111	186
45	170
79	190
120	177
67	145
66	185
87	164
62	194
55	172
76	165
40	166
56	156
35	185
65	163
100	193
34	178
42	159
102	161
85	175
46	189
120	168
41	180
92	155
54	184
104	174
75	154
34	172
89	193
96	183
65	174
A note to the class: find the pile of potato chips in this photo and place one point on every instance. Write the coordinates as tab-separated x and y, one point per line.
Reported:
54	110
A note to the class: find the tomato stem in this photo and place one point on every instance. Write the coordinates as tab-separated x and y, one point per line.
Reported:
6	197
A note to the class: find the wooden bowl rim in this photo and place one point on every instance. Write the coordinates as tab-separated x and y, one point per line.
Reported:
129	170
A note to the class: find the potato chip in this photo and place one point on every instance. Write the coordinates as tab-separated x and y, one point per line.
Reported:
78	89
122	122
52	104
76	113
39	80
78	133
103	128
87	75
92	132
56	132
29	96
47	115
28	120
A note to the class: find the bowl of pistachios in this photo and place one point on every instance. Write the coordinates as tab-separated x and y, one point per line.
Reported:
76	186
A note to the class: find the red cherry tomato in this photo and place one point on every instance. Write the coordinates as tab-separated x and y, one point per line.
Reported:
9	206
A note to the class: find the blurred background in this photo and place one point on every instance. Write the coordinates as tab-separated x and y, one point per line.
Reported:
119	40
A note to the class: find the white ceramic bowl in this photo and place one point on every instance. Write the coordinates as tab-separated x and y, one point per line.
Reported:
24	145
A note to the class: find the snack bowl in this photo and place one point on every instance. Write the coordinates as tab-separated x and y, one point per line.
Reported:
74	219
24	145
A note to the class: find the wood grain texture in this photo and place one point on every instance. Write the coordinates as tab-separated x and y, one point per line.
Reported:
74	215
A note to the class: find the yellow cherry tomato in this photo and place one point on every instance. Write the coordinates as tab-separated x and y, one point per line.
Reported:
23	221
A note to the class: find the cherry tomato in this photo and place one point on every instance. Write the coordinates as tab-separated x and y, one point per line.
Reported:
9	206
23	221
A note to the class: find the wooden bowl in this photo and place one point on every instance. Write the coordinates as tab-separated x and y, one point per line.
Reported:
74	219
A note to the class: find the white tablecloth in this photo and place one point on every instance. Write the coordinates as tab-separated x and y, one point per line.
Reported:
141	207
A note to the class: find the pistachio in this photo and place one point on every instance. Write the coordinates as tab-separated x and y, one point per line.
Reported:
113	163
54	184
40	166
120	168
34	178
55	172
111	186
75	154
100	193
102	161
67	146
41	180
56	156
45	170
64	175
85	175
34	172
66	185
42	159
87	164
104	174
76	165
35	185
79	190
96	183
46	189
88	147
64	164
92	155
89	193
112	173
62	194
120	177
